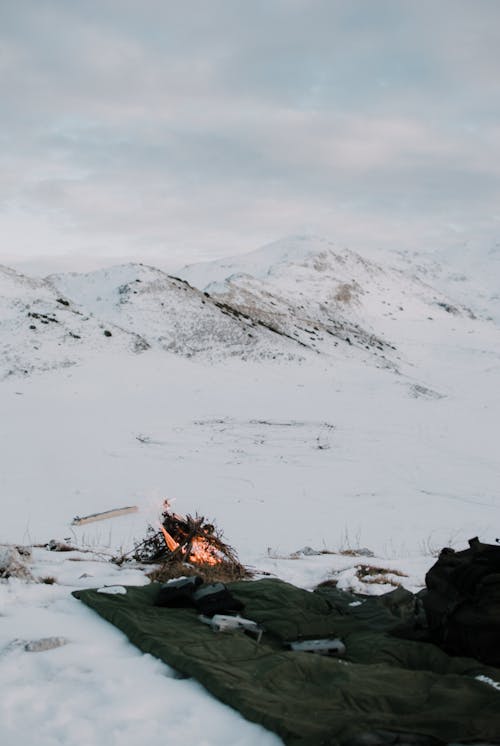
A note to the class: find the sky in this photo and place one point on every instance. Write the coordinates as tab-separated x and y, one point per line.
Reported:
183	131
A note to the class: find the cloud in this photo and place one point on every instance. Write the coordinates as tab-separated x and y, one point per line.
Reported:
201	128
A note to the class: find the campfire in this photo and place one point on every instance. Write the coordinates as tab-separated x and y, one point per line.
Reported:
191	540
183	545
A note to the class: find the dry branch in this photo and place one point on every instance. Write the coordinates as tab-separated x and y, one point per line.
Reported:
77	521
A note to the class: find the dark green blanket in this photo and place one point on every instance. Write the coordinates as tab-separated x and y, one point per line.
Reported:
383	687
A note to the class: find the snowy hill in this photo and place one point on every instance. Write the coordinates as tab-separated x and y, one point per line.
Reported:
296	298
313	292
291	300
41	329
259	263
169	313
468	273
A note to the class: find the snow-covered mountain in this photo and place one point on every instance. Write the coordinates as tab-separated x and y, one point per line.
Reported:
291	300
42	329
467	272
312	274
259	321
314	292
168	313
67	318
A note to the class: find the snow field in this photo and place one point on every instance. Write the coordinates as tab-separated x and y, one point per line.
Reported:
327	449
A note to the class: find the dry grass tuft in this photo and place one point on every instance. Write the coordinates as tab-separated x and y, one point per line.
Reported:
379	575
223	572
347	292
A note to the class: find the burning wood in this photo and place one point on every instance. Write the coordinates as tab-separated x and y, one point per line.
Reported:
190	542
169	540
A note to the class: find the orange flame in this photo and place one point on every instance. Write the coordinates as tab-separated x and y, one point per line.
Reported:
170	541
202	553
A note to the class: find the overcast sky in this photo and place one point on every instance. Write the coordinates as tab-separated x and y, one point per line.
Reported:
192	129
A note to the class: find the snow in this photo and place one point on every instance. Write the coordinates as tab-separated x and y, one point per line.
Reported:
98	687
334	447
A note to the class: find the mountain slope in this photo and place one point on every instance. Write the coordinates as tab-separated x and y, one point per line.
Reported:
468	273
170	314
315	293
41	329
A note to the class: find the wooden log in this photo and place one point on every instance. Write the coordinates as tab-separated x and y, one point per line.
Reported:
77	521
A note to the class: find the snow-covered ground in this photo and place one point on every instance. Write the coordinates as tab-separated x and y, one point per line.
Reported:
330	446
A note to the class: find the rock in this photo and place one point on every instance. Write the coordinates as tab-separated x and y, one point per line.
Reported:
44	643
364	552
14	562
309	552
55	545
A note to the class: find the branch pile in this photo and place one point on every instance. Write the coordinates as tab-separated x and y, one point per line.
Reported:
187	545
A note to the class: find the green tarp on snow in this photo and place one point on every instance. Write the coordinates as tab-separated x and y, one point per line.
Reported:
384	686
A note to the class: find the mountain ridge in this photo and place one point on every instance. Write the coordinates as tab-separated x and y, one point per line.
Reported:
295	298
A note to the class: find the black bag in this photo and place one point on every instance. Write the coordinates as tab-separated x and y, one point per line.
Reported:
179	592
216	599
207	599
462	602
